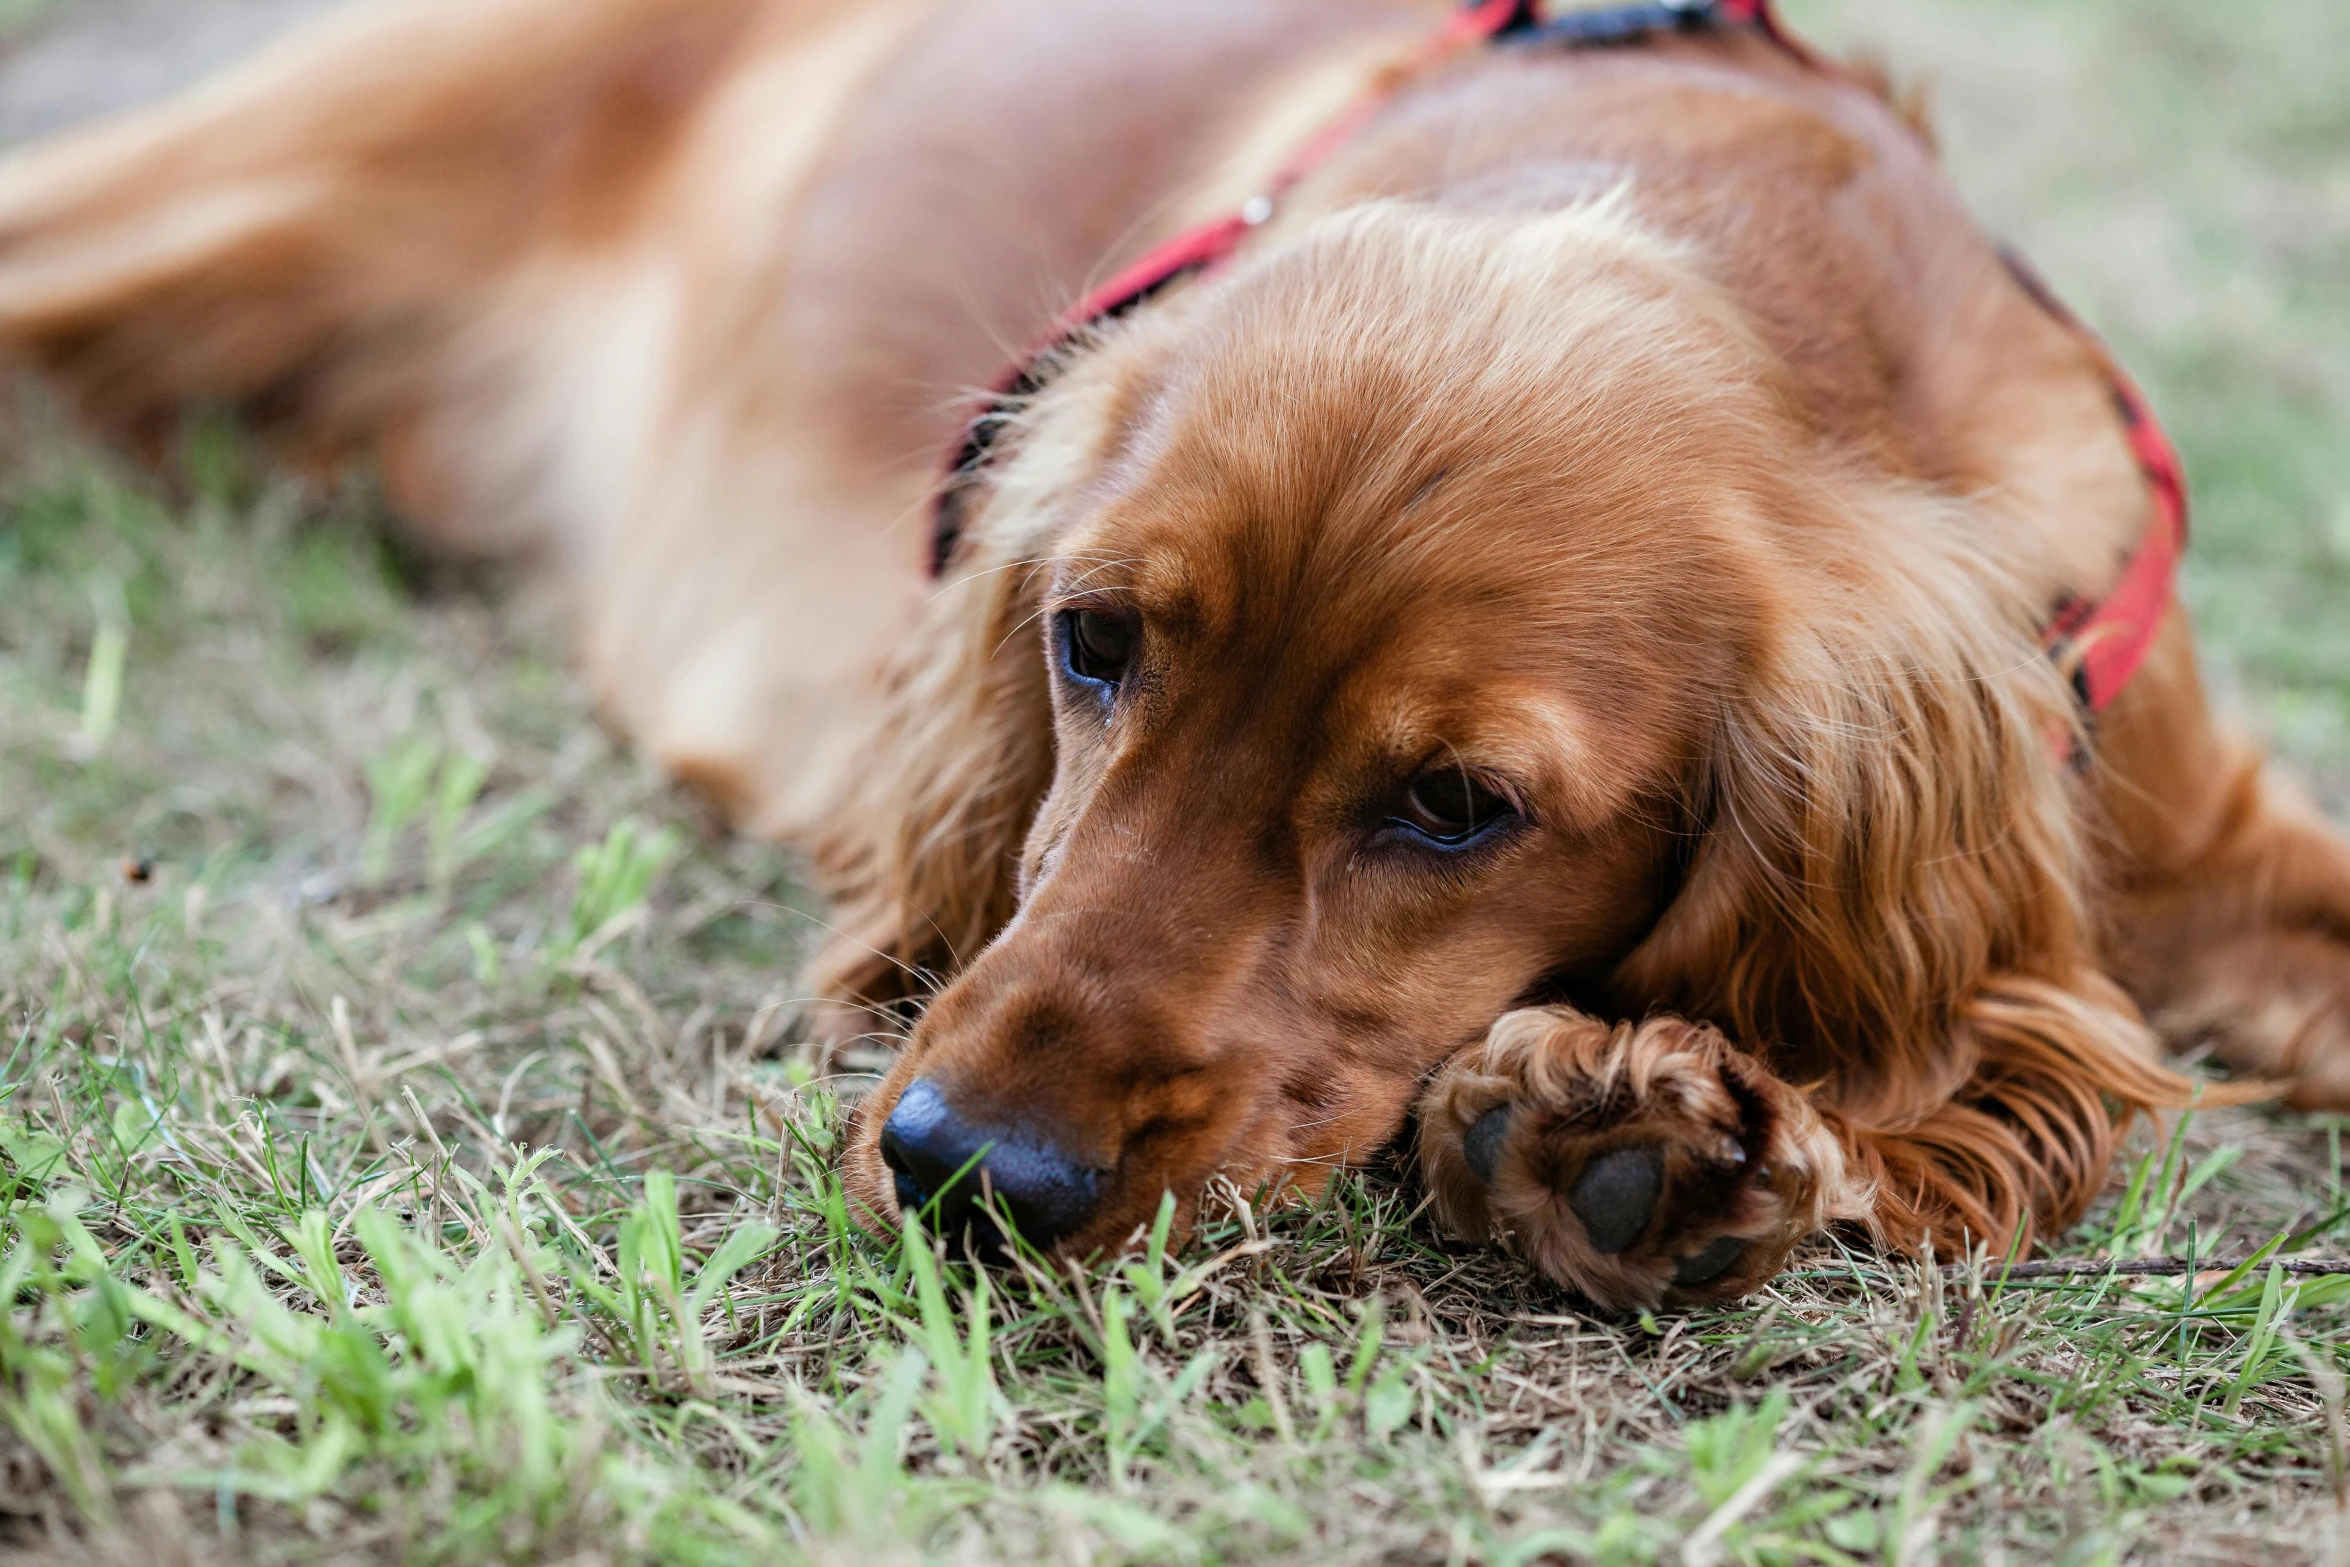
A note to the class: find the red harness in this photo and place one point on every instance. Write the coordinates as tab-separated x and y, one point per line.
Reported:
2101	641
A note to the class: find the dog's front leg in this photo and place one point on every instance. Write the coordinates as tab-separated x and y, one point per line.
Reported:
1638	1163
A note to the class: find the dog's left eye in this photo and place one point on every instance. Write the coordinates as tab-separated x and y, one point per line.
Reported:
1097	645
1451	807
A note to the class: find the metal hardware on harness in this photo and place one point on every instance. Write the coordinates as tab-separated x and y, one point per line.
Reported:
1615	24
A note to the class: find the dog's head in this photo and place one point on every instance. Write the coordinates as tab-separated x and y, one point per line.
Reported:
1436	612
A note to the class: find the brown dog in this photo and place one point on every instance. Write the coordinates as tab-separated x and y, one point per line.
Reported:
1549	636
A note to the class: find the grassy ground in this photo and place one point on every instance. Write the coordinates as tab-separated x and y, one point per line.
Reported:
404	1152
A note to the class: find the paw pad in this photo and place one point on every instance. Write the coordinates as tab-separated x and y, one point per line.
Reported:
1616	1194
1703	1267
1481	1143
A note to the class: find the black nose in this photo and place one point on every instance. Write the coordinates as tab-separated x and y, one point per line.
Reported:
936	1154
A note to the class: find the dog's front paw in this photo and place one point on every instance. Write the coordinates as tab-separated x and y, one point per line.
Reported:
1638	1163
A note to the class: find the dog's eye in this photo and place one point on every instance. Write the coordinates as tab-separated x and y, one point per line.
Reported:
1099	645
1450	807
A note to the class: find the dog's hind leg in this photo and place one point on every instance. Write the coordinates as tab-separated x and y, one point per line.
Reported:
2230	907
359	234
527	252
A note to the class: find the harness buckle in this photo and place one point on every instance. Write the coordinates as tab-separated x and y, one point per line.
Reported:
1615	24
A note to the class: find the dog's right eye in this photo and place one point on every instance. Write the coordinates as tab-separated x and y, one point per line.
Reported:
1096	645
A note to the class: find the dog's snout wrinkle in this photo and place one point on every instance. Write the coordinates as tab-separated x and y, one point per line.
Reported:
937	1155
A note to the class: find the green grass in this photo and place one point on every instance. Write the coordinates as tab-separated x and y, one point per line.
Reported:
17	13
405	1150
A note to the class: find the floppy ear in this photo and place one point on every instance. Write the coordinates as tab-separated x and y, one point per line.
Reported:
920	850
1890	895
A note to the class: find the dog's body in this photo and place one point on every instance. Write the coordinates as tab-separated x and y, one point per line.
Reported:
1644	438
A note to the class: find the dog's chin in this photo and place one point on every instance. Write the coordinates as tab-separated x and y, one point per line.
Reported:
866	1182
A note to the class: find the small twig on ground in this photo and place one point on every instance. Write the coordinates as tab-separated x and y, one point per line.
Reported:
2150	1267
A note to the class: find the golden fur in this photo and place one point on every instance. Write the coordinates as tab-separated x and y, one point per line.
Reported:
1646	433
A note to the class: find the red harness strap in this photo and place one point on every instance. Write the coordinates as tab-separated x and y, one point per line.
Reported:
1193	250
2105	640
2101	641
